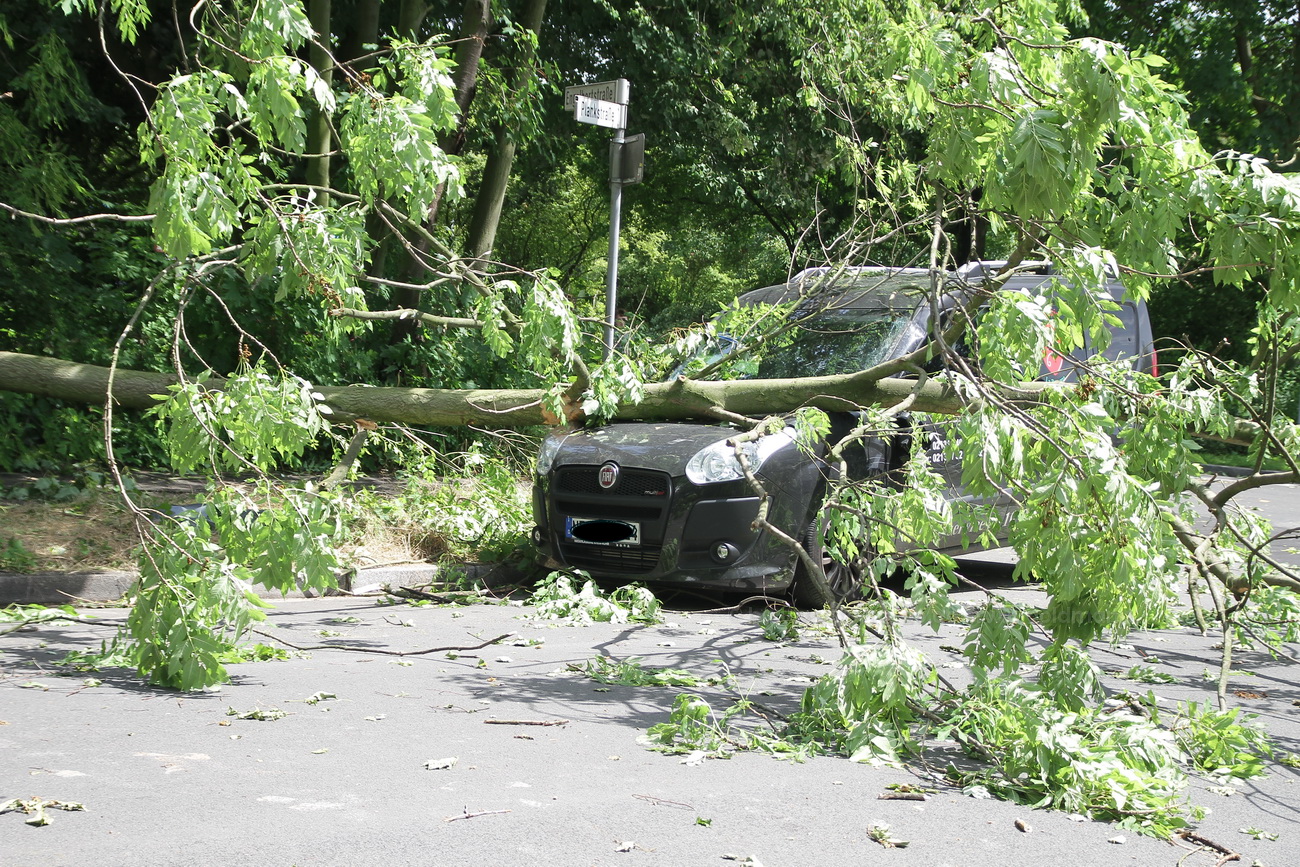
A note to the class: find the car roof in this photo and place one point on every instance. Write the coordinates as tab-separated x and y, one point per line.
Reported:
826	290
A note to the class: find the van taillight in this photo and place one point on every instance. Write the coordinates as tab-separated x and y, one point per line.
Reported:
1155	363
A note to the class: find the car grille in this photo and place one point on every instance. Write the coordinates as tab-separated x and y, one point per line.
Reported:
608	558
631	483
639	495
609	510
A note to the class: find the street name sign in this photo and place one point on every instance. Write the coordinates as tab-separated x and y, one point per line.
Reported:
600	112
609	91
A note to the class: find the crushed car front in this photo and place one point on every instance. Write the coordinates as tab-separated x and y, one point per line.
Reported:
669	502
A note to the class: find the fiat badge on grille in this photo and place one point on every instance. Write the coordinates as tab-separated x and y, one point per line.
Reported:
608	477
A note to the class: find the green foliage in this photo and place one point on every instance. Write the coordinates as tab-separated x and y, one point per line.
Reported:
866	707
194	597
997	638
255	652
1095	538
35	808
1147	674
1043	746
108	656
1223	743
557	598
466	505
270	714
1110	766
780	624
310	250
252	421
28	614
1069	677
1269	619
694	727
14	556
282	538
375	131
631	672
178	626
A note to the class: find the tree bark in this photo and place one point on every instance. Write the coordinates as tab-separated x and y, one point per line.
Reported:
364	31
319	136
676	400
475	19
491	197
496	174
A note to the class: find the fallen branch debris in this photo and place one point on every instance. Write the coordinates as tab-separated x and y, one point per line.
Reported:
469	815
380	651
663	802
526	722
1207	843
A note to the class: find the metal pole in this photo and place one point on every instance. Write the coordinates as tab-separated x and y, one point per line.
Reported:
615	209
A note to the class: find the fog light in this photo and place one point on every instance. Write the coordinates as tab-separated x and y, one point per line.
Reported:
723	552
538	536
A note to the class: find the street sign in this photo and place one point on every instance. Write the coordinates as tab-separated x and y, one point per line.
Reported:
604	103
609	91
600	112
627	160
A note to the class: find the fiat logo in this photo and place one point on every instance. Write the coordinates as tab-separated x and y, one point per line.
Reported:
608	476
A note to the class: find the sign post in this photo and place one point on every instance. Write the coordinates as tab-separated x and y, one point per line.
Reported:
604	103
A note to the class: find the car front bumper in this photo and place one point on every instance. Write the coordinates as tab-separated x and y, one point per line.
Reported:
685	533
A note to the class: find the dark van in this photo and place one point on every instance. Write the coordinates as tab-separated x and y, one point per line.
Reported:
667	503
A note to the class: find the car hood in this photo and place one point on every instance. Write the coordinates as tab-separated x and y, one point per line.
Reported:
664	447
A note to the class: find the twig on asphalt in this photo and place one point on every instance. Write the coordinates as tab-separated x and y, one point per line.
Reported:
663	802
1207	843
377	650
526	722
469	815
447	597
771	600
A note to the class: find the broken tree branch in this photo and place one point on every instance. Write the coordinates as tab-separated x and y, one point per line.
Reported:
380	651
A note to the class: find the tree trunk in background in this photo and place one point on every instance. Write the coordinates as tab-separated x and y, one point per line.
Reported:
411	18
491	197
474	23
496	174
364	31
475	19
320	141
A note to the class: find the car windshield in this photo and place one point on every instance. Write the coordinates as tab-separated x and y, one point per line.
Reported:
829	345
851	323
823	345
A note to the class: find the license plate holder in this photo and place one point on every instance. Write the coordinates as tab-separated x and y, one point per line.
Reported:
632	529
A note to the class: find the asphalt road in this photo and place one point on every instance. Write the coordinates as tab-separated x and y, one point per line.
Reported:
170	779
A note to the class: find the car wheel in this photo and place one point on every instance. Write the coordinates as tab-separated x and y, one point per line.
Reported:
844	580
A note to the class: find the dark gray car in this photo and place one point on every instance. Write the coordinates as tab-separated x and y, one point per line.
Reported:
667	503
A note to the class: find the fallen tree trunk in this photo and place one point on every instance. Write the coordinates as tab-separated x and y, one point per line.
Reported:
678	399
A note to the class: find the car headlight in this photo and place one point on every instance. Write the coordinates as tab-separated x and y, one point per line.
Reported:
717	462
546	454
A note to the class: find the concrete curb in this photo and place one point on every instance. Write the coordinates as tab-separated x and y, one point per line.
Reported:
57	588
